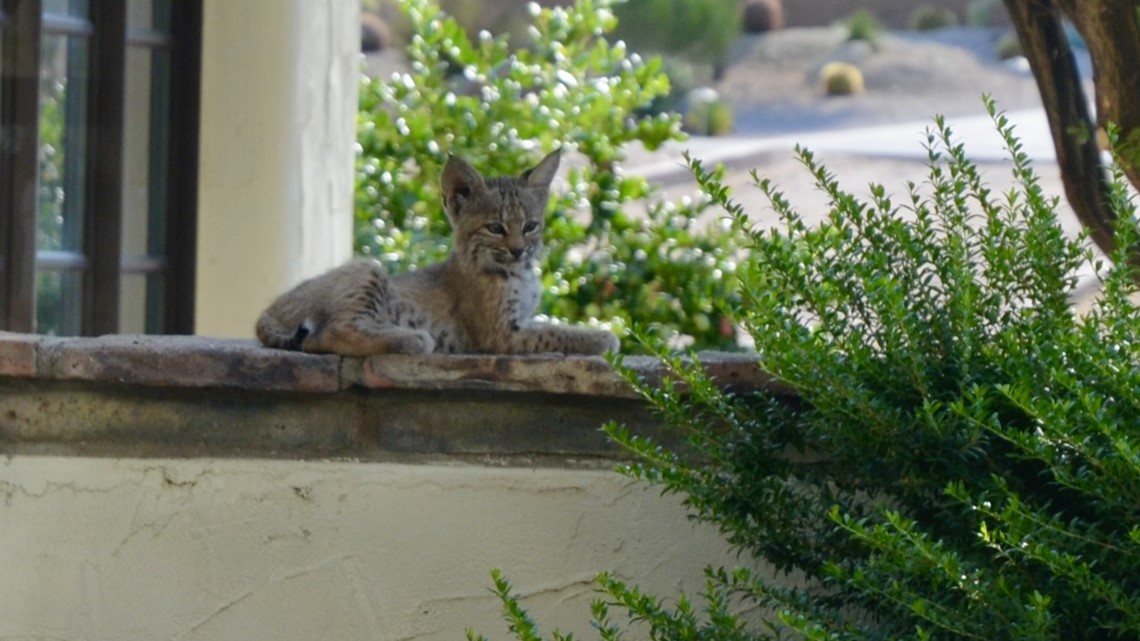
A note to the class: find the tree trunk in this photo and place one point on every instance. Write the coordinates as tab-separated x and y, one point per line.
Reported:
1111	29
1039	28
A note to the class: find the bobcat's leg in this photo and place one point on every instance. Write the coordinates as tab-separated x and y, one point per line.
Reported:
536	338
360	337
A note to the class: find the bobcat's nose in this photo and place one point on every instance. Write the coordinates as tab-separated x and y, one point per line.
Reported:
517	252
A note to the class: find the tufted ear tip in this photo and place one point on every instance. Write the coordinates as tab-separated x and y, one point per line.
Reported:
542	174
459	181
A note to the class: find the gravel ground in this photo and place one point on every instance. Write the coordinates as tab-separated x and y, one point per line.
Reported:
773	86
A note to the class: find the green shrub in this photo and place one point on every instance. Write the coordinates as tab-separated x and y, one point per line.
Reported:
616	252
983	13
683	78
709	117
864	26
720	118
961	459
700	30
928	18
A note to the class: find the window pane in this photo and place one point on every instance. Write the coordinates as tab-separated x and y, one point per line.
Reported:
58	302
145	188
140	303
140	14
136	143
149	14
75	8
132	304
63	142
2	30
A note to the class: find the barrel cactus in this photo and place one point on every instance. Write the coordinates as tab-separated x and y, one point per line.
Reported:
841	79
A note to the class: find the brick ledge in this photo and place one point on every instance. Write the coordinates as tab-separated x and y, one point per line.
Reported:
185	396
198	362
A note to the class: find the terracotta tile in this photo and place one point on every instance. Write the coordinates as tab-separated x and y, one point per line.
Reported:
18	354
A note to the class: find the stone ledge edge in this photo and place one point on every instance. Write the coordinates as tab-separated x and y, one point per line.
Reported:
201	362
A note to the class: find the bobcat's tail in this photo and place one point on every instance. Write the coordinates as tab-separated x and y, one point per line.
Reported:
272	333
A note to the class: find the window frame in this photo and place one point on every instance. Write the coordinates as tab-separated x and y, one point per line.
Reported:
22	28
19	173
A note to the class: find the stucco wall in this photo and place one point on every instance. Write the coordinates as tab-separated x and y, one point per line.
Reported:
245	550
176	487
279	92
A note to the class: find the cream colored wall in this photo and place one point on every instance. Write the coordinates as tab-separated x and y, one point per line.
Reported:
162	549
252	549
279	91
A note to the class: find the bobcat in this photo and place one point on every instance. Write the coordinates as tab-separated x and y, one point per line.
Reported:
480	300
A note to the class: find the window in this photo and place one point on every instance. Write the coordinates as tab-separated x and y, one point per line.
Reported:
98	165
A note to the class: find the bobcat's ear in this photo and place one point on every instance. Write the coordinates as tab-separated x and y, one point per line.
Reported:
542	174
460	181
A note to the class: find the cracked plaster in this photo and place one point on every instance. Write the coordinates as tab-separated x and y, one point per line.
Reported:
213	489
229	549
188	523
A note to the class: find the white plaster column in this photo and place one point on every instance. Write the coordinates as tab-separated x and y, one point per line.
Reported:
279	98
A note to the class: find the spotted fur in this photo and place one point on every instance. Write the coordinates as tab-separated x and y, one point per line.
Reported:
481	299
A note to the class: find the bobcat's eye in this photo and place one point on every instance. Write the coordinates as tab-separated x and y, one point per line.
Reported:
496	229
530	226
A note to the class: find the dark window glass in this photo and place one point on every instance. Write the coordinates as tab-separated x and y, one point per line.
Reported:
98	165
3	23
76	8
62	165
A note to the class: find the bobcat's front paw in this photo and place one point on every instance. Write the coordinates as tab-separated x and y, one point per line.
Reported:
412	342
